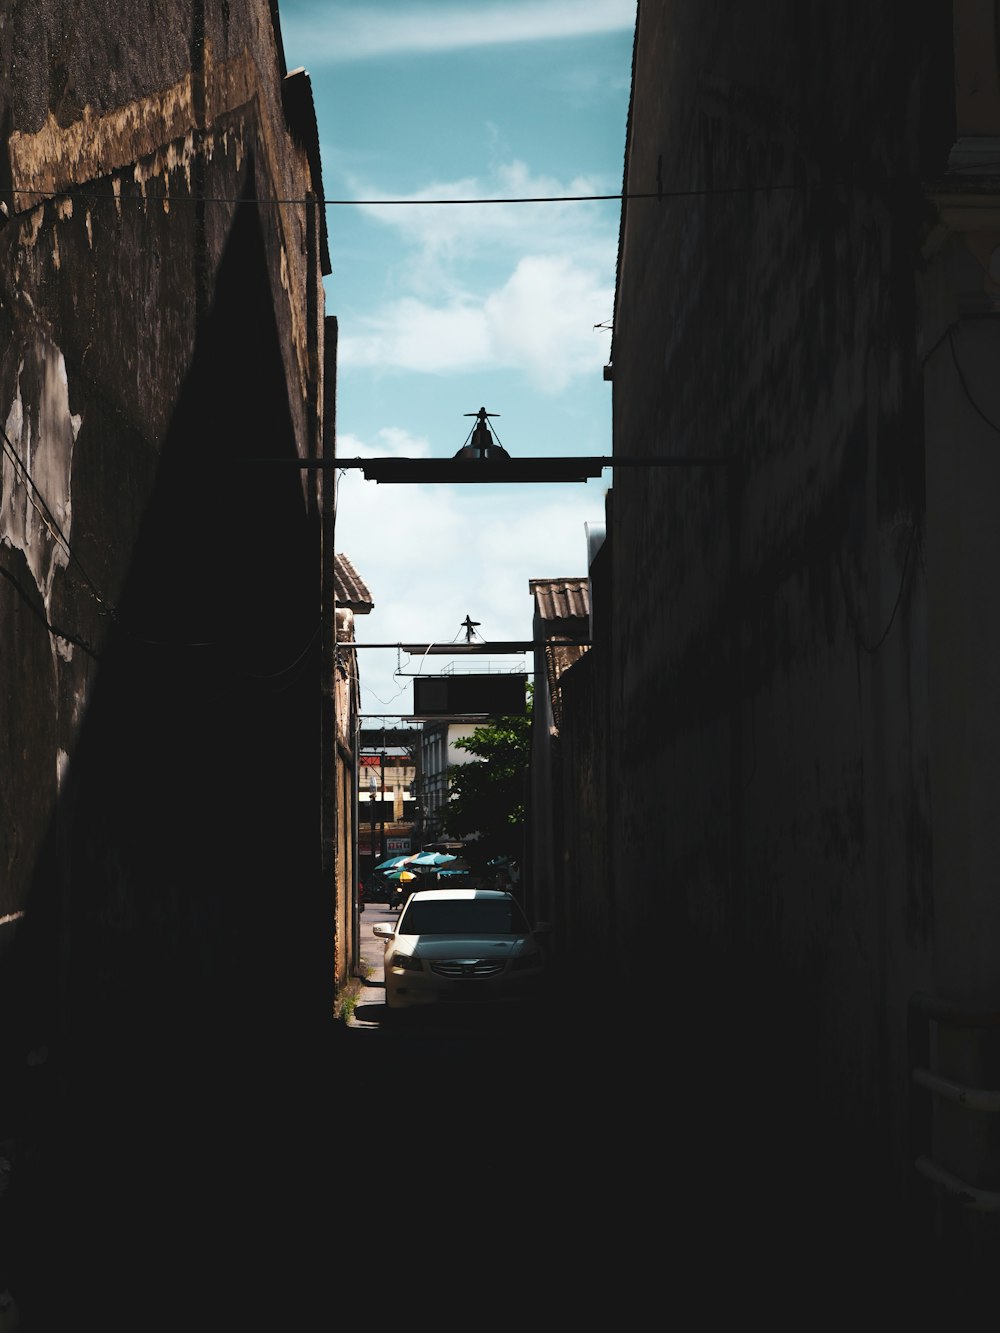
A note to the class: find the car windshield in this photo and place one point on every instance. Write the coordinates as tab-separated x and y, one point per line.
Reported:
469	917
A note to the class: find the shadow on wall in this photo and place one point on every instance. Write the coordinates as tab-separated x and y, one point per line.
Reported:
177	901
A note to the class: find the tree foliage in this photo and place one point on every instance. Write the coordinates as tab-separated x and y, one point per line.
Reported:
486	796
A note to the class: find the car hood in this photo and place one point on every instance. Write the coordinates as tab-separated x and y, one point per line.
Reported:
460	946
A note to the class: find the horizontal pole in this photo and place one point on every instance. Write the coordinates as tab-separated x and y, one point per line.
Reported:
976	1099
498	464
451	649
979	1200
478	471
433	717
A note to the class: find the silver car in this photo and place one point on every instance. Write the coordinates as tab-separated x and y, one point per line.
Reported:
461	946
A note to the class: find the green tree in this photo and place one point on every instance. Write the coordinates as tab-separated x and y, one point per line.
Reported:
486	797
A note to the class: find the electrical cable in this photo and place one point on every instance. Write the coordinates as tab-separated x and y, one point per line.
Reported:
39	504
50	521
622	195
965	388
293	664
423	659
66	635
872	648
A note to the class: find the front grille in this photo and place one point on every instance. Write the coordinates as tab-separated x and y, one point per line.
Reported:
459	968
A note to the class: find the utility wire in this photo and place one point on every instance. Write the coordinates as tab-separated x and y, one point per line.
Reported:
965	388
66	635
291	666
40	506
406	203
49	519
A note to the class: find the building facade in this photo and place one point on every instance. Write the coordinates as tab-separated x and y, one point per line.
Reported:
340	806
166	599
794	629
438	752
560	631
388	781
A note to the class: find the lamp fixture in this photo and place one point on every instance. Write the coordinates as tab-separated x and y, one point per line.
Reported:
481	444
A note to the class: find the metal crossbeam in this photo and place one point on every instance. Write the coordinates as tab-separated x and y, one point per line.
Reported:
489	470
460	649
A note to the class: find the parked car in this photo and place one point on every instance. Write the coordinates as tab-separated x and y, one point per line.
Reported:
461	946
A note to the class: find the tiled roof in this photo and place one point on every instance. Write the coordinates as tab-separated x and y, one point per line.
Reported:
563	607
561	599
350	589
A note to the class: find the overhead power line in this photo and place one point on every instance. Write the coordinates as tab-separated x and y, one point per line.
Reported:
407	203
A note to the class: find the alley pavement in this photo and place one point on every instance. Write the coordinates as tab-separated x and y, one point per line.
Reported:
599	1163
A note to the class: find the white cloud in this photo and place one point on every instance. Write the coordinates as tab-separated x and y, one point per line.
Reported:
431	555
391	442
540	322
412	335
338	33
539	314
565	210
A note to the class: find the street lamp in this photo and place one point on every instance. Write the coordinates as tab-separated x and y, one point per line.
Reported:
481	443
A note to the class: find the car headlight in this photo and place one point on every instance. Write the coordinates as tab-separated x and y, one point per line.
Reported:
407	963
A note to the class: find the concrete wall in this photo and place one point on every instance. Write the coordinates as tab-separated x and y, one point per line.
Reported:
800	629
347	700
590	933
163	864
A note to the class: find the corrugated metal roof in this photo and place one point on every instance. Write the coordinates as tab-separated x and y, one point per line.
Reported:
561	599
350	589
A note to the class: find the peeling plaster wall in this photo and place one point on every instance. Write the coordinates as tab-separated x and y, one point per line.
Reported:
45	432
170	119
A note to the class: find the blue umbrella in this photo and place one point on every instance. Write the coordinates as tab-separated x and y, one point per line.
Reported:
393	863
431	859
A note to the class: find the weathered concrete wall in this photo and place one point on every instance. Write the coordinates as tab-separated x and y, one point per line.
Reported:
591	924
166	882
786	614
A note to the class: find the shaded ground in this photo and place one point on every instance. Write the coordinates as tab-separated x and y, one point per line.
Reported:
594	1165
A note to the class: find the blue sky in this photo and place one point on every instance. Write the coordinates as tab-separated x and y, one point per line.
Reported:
443	309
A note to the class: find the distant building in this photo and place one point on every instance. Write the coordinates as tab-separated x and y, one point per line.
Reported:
388	765
438	752
352	598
